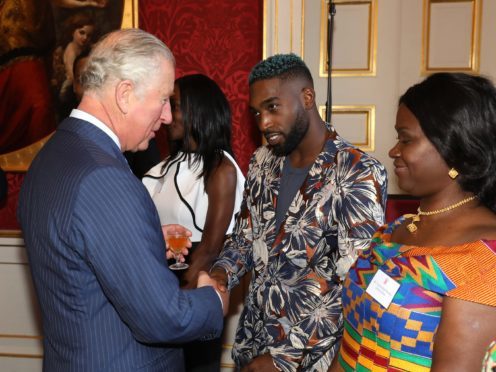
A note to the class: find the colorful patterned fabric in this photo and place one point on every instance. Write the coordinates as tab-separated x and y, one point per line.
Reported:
489	364
293	308
400	338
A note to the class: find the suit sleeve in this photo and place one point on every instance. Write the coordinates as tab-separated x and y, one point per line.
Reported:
118	226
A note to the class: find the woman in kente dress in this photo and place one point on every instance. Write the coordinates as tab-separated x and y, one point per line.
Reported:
423	296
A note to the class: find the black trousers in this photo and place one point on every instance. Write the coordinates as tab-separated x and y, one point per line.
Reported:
203	356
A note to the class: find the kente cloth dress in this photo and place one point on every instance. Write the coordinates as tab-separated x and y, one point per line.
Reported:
489	364
400	337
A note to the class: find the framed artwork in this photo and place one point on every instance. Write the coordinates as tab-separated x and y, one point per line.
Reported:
37	54
36	69
355	123
354	38
451	36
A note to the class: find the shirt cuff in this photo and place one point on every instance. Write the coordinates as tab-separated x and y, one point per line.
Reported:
220	298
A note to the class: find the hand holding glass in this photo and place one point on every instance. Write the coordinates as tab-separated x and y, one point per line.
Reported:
176	242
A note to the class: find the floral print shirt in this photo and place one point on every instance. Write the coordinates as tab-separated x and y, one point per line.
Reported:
293	308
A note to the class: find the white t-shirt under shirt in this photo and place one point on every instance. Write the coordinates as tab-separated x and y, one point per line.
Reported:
180	196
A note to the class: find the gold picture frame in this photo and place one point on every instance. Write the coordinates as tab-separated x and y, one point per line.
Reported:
475	38
370	69
368	111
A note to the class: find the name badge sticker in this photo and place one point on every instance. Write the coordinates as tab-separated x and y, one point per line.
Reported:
382	288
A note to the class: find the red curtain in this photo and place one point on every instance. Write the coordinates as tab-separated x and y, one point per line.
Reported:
26	108
221	39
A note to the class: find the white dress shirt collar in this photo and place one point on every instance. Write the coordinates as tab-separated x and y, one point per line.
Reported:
79	114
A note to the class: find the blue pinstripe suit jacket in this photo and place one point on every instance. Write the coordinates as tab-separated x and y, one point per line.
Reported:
96	253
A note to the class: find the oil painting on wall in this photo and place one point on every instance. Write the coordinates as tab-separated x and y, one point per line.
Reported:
39	42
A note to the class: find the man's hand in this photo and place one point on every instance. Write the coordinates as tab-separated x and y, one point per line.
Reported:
171	229
262	363
220	276
204	280
200	260
189	279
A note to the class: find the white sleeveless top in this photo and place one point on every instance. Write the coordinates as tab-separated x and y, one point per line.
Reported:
180	196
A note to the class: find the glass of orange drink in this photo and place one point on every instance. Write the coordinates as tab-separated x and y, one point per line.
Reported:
176	242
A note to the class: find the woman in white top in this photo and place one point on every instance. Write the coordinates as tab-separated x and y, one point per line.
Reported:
199	185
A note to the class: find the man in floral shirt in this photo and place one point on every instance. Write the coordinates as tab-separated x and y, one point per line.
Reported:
312	201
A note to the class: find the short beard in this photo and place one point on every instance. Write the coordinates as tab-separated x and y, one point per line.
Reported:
294	137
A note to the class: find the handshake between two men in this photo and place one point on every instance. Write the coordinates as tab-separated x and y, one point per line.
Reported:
217	278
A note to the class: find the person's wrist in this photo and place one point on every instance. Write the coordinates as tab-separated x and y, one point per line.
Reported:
217	269
219	273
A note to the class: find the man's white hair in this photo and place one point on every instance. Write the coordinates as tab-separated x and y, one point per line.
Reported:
126	54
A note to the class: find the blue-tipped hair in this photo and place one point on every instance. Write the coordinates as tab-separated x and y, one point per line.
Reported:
281	66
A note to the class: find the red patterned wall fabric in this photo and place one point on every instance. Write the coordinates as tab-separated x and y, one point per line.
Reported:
221	39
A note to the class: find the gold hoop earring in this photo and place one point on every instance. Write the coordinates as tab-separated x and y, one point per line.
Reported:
453	173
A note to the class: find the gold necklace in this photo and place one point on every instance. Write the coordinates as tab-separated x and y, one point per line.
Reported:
416	217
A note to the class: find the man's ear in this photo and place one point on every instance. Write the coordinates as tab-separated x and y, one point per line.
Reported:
123	91
308	98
